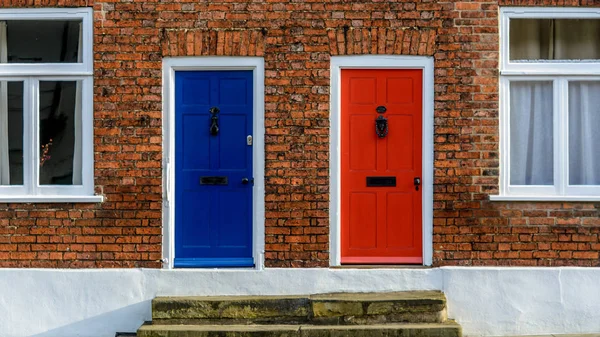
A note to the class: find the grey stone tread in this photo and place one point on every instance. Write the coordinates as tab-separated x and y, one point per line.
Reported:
370	297
246	308
322	309
389	326
561	335
224	328
249	328
431	295
226	298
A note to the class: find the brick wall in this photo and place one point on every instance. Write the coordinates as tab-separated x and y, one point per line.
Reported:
296	39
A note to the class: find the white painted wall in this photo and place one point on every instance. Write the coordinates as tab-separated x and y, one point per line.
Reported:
485	301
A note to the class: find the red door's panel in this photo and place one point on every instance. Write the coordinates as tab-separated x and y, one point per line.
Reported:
364	154
381	224
363	220
399	236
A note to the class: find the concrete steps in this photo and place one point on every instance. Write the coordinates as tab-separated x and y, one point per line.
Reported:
414	314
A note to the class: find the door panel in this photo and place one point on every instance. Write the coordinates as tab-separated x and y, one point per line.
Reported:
229	220
364	154
195	235
213	206
363	90
399	236
363	220
232	151
197	157
400	156
381	224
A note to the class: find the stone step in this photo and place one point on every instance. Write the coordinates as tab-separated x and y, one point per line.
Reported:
230	310
447	329
374	308
332	309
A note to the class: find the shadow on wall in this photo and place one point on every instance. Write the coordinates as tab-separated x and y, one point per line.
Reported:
125	319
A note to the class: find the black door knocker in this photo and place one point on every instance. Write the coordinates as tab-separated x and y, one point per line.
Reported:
214	121
381	126
381	123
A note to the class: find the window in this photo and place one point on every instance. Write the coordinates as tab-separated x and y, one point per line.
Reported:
46	151
550	104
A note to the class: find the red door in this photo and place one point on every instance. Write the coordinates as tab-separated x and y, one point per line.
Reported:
381	203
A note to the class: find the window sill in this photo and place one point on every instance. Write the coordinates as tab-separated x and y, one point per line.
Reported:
51	198
543	198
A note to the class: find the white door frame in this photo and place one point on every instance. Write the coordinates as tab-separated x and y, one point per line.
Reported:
379	62
170	66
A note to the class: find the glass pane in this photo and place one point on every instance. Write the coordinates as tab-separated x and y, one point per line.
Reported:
44	41
531	133
584	135
60	132
11	133
554	39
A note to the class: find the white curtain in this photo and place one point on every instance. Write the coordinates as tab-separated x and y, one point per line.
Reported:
584	133
531	133
525	41
77	149
559	39
4	149
576	39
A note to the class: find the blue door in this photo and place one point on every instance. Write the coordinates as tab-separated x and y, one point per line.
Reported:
213	169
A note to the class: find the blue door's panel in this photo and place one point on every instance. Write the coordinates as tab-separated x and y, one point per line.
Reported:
213	223
233	84
191	87
198	156
236	125
195	236
229	220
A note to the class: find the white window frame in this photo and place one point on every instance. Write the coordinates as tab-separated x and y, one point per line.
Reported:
560	73
30	75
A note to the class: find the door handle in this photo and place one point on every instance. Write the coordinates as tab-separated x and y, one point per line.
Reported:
417	182
245	181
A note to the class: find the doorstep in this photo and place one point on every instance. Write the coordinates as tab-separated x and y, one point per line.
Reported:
561	335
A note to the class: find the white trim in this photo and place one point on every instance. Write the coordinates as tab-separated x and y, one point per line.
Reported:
52	198
546	67
542	198
78	121
379	62
31	148
4	148
42	69
551	12
559	73
172	64
561	190
31	74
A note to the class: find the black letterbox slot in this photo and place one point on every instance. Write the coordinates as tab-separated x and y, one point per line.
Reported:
213	180
381	181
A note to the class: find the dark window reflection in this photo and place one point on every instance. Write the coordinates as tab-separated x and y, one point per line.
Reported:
11	142
43	41
60	145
